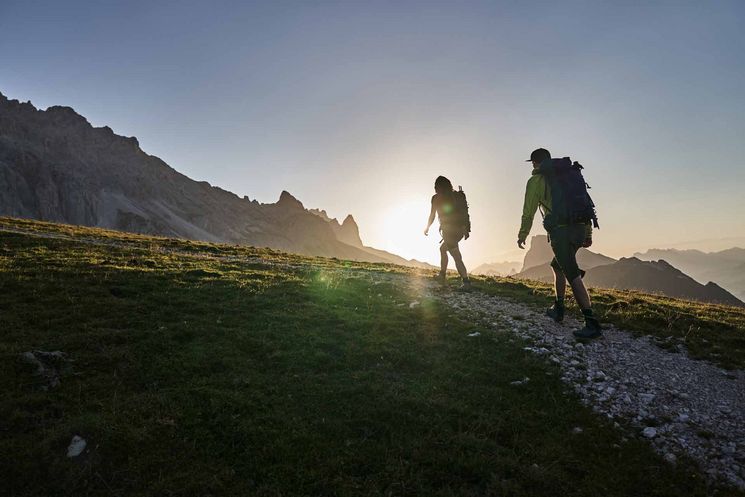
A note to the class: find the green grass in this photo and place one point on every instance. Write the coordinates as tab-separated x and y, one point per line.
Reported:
204	369
708	331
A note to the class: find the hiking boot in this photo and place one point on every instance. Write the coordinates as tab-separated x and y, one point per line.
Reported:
441	279
465	287
592	329
556	312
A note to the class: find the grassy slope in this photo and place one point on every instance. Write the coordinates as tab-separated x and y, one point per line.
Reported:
200	370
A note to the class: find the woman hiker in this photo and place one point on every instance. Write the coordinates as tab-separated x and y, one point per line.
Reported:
452	212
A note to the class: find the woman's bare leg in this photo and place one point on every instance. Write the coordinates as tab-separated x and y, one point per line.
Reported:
458	258
443	259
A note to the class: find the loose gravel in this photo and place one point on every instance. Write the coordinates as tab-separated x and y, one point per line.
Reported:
682	406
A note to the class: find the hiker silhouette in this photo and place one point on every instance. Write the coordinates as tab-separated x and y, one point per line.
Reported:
451	208
557	188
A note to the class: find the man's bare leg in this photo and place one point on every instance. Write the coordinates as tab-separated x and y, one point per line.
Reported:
580	293
592	327
556	311
560	284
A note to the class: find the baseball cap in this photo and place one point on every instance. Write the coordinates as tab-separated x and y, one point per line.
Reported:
539	155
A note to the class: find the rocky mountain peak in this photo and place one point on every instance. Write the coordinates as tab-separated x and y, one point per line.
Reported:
349	232
538	253
66	113
350	222
322	214
288	201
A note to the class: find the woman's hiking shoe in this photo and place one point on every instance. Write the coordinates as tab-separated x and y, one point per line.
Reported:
556	312
441	279
592	329
465	287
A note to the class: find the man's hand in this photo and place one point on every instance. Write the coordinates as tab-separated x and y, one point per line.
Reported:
587	243
521	244
426	231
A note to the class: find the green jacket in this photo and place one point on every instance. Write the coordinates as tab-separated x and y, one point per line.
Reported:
538	194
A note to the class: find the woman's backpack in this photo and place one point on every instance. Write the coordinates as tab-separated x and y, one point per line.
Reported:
460	211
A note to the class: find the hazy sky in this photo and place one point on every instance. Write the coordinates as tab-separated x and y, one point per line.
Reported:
356	107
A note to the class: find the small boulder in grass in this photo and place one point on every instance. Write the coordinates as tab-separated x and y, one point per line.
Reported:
47	365
76	447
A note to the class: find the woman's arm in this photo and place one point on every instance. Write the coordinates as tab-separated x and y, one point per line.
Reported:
431	220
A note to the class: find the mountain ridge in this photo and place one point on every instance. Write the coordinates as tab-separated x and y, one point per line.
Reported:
627	273
56	166
725	267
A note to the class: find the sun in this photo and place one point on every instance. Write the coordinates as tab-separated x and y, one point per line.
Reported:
401	229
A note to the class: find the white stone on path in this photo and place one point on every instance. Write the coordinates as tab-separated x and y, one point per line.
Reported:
650	432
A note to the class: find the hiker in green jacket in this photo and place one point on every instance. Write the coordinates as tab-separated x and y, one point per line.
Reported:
566	239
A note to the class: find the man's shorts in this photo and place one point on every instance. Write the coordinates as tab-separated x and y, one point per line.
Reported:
451	237
565	242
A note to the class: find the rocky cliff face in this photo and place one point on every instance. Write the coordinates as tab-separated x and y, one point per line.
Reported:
55	166
347	232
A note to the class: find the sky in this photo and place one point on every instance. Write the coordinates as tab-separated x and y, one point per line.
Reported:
356	107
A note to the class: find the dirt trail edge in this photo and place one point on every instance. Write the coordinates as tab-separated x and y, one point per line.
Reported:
683	406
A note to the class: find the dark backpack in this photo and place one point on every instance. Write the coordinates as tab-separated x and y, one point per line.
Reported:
570	202
460	210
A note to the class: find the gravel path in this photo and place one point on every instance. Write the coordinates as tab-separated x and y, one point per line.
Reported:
683	406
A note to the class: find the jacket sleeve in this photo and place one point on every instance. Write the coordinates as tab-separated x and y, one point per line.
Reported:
530	205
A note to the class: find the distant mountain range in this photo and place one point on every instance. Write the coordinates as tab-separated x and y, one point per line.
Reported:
55	166
657	277
506	268
626	273
726	267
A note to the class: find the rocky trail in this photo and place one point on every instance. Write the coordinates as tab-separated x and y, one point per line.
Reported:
682	406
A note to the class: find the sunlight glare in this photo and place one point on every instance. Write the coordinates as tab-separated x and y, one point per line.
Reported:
403	226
